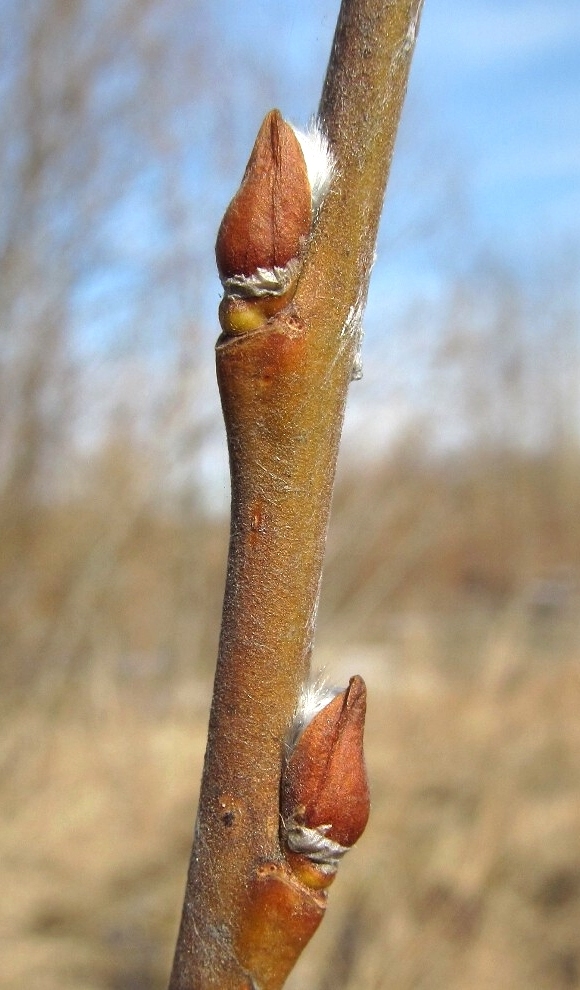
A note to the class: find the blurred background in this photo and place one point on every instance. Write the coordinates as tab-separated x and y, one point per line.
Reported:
453	567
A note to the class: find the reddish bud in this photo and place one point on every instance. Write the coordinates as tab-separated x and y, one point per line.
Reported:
325	794
269	216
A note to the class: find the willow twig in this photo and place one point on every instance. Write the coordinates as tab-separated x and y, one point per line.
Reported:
256	890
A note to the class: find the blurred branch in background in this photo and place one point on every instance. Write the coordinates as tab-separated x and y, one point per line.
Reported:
102	258
120	146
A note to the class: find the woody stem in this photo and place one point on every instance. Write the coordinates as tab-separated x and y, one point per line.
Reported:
283	389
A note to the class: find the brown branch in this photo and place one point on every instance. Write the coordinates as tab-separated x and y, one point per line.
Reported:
248	909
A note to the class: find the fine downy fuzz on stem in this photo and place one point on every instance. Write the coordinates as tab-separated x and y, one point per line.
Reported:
294	253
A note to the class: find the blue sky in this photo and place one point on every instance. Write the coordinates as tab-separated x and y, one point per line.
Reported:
488	158
489	151
505	77
492	116
501	80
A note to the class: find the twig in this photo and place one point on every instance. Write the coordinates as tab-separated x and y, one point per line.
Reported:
255	891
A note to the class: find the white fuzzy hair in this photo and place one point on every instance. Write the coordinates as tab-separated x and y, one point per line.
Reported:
315	695
319	160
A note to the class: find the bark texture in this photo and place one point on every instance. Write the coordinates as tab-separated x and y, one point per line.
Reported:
283	387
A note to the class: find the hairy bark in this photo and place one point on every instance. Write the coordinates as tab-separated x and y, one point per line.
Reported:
247	913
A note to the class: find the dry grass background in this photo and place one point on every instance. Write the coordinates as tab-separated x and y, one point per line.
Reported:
469	872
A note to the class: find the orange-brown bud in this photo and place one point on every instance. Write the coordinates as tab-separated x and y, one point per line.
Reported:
266	221
325	794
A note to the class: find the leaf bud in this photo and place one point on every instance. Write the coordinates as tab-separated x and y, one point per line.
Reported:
325	794
264	224
262	236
